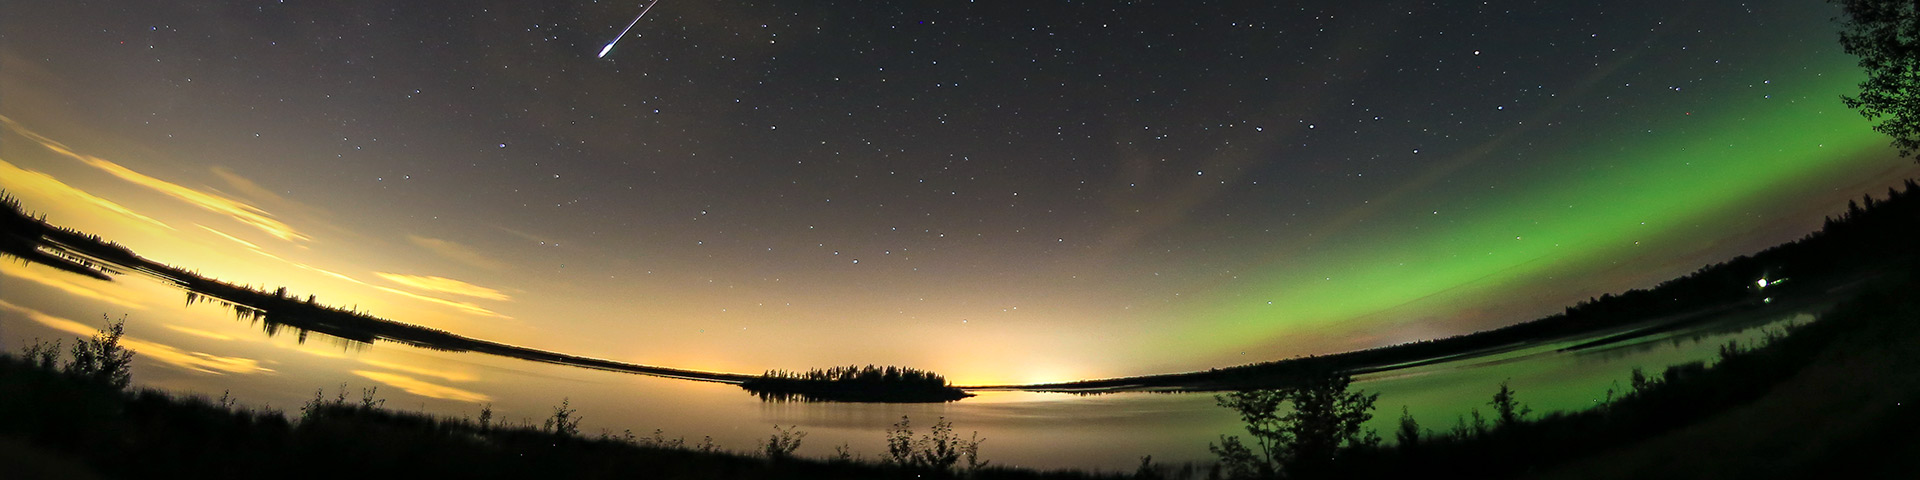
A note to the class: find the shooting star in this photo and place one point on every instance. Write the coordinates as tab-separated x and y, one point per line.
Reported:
623	33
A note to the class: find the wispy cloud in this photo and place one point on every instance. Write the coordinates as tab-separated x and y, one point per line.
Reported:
247	187
238	210
422	387
17	178
528	236
224	235
462	306
456	252
444	285
168	354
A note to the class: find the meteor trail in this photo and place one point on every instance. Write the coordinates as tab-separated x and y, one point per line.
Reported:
623	33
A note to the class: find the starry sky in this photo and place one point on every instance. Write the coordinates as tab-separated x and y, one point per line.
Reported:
1002	191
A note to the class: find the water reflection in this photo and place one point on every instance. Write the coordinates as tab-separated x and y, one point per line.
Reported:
422	387
195	349
1021	428
198	332
21	271
31	239
195	361
422	371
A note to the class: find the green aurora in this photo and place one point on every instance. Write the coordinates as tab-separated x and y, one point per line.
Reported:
1694	176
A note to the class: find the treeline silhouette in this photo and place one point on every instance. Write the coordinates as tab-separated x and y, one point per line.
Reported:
1863	241
22	234
276	310
79	420
889	384
34	239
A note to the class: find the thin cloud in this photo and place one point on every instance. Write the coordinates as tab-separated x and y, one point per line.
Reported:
456	252
528	236
462	306
238	210
247	187
224	235
22	179
444	285
468	307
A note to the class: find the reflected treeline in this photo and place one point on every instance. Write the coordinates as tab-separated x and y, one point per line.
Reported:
73	426
276	311
33	239
272	328
889	384
1872	235
23	236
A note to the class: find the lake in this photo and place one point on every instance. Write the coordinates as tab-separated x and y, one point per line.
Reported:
203	349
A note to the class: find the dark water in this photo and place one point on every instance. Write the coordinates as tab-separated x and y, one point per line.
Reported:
203	349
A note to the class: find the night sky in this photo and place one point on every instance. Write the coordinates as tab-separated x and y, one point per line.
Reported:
1002	191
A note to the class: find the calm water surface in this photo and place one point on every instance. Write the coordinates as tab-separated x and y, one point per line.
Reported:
201	349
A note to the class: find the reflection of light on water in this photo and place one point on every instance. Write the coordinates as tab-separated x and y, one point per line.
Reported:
194	361
198	332
441	374
312	349
423	388
25	273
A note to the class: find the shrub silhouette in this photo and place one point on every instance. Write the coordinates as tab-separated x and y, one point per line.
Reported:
42	355
1325	419
1408	435
101	359
781	444
940	449
565	422
1510	411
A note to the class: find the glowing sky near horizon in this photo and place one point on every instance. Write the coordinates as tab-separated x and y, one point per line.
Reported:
1000	191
